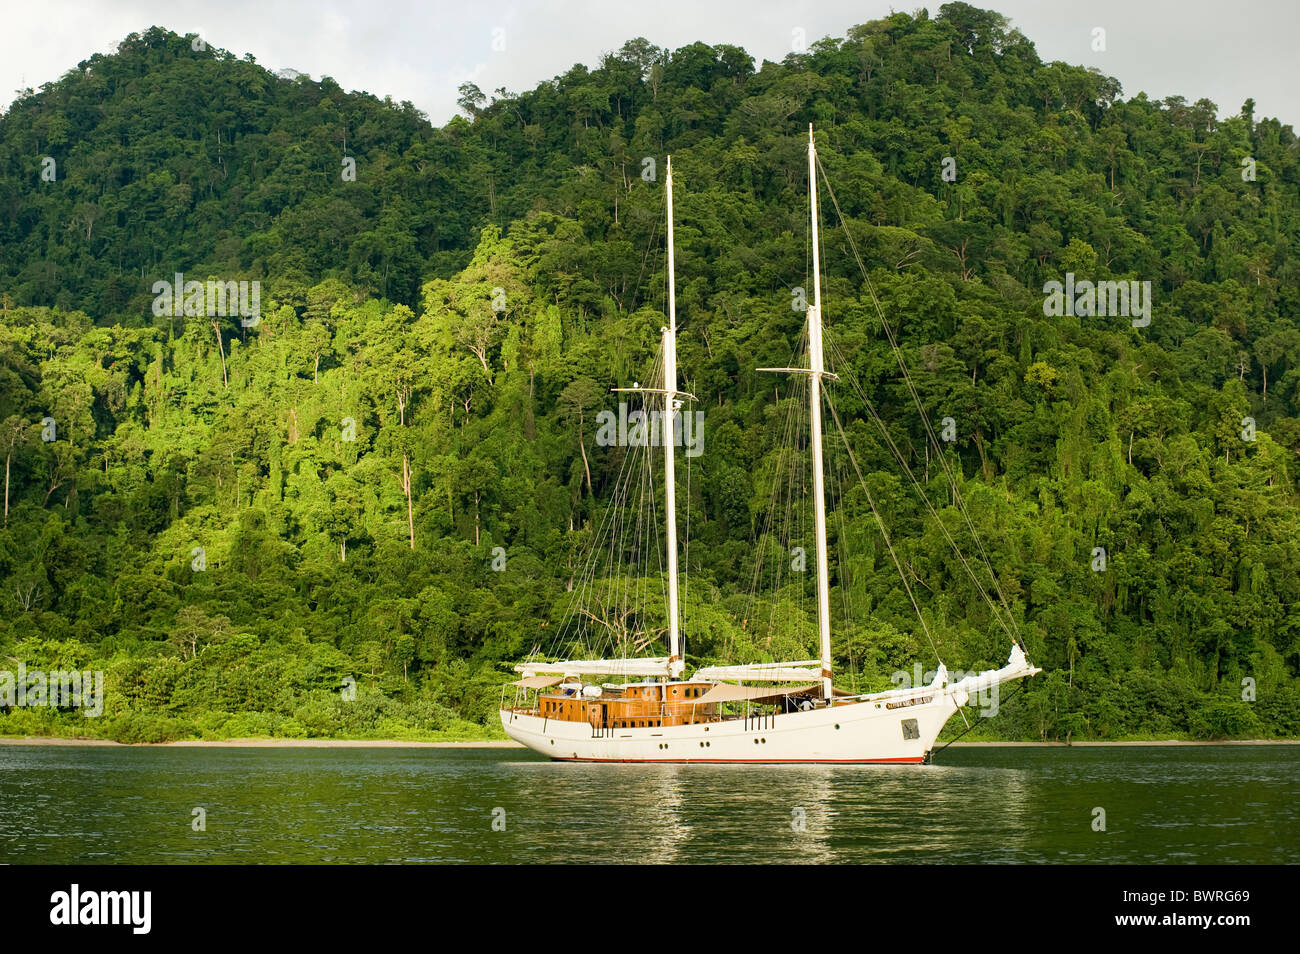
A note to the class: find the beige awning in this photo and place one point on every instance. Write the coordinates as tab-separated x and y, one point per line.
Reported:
537	682
725	692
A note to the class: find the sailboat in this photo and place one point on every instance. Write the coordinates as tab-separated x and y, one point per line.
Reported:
772	712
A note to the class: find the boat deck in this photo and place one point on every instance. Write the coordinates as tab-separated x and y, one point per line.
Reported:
636	707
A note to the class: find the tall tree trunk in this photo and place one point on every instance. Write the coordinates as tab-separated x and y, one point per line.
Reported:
406	485
225	381
582	447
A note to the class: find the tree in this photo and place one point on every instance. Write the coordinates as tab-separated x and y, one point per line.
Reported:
471	99
576	399
13	433
194	630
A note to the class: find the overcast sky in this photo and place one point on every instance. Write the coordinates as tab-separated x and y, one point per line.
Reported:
422	51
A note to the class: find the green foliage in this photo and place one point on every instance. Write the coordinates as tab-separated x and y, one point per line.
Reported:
438	335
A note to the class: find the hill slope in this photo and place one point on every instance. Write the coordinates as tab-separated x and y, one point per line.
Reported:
348	464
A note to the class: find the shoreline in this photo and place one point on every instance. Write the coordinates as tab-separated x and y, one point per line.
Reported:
266	743
507	744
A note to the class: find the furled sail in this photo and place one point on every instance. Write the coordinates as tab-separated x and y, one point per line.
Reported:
764	672
640	666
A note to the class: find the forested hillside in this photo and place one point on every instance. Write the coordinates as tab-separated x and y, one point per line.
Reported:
233	518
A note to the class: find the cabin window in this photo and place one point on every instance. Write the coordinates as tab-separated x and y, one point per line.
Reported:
910	731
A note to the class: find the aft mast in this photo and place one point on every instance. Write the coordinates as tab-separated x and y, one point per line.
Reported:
671	403
816	370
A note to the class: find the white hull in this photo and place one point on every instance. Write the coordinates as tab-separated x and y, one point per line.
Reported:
854	733
866	731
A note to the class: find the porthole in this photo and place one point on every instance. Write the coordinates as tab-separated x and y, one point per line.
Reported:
756	741
837	725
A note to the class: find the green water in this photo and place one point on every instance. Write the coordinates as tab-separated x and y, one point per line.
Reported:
1162	805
